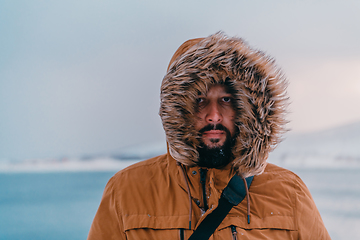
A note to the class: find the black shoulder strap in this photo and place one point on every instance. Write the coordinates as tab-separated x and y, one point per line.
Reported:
231	196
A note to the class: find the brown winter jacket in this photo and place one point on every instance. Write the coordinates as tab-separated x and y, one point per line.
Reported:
149	200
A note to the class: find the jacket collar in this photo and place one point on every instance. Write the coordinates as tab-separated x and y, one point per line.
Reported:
216	179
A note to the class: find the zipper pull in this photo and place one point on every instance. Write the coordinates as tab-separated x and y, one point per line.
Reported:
233	232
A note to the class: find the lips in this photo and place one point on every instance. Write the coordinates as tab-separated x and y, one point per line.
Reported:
213	133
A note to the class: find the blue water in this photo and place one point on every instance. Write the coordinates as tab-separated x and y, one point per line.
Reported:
55	206
49	205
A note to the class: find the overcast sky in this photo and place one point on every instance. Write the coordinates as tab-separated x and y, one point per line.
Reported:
83	77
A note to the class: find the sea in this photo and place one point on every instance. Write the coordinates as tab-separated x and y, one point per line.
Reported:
61	205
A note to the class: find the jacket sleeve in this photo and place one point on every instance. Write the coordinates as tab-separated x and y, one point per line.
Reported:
309	222
107	223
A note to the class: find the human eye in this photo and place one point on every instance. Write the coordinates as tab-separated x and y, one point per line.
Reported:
226	99
199	100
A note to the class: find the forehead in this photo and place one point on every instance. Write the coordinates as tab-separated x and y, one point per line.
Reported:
218	89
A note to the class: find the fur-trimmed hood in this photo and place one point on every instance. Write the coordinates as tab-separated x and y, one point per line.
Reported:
258	89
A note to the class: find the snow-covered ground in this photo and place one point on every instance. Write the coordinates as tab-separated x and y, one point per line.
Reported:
334	148
105	162
65	164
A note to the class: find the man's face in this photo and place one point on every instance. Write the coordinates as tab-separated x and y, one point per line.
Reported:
215	116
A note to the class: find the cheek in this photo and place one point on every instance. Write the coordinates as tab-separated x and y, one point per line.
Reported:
229	115
230	122
198	123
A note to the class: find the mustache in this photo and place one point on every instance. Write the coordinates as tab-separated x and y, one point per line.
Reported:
213	127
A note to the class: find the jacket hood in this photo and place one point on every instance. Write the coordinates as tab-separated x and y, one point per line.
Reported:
258	88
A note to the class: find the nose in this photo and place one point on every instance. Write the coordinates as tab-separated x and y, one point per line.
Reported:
213	115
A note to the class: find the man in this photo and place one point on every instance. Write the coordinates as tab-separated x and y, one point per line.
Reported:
222	109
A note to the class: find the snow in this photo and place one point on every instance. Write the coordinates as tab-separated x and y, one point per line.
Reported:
336	148
333	148
72	165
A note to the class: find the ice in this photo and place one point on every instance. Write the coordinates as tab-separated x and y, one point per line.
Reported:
100	162
334	148
71	165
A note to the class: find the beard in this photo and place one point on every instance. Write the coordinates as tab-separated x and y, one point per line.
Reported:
218	156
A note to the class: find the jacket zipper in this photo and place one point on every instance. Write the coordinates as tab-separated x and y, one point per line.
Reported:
233	232
181	234
203	184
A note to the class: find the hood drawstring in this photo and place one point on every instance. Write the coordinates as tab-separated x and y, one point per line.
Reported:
247	198
189	193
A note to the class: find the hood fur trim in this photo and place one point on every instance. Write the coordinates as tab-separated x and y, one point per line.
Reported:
259	90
